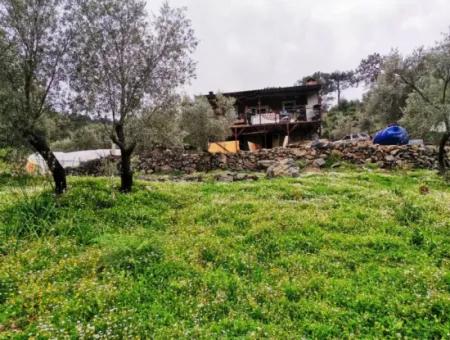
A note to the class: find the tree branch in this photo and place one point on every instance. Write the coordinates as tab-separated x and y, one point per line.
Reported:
53	75
419	91
444	94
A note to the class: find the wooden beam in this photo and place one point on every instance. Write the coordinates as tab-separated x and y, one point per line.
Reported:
236	139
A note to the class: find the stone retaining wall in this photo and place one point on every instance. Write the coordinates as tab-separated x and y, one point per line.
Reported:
319	154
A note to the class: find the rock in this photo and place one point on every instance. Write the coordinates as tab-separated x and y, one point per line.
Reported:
320	144
299	153
161	160
336	154
224	178
252	178
235	177
166	169
245	177
399	163
97	167
193	178
319	163
284	168
265	163
336	165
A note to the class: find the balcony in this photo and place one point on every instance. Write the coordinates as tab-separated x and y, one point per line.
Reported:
293	115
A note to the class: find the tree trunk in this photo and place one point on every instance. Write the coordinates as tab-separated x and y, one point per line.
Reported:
126	174
339	92
442	153
40	144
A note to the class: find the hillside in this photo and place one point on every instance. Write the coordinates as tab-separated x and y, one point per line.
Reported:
333	254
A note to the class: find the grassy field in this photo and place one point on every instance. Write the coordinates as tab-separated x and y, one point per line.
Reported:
333	254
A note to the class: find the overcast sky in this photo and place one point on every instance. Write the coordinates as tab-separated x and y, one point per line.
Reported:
251	44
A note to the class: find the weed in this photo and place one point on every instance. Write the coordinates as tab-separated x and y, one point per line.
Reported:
129	254
417	238
337	254
409	214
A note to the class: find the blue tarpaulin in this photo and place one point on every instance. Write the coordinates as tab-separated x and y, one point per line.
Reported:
392	135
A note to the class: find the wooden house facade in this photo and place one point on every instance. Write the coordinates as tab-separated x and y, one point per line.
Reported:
267	116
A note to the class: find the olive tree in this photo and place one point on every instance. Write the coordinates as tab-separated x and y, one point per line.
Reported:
427	73
342	119
35	36
126	62
385	101
163	127
205	122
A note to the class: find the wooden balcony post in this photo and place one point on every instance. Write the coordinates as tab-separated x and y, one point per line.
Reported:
259	109
235	138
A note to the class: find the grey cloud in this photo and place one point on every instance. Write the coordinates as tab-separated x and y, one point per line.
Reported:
246	44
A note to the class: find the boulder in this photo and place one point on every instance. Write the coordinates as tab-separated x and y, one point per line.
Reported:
284	168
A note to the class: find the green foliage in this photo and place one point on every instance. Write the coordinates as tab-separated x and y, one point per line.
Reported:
134	66
204	123
369	69
347	254
34	37
31	217
409	214
413	89
160	127
428	109
76	214
12	161
343	119
4	159
75	133
386	99
336	81
128	253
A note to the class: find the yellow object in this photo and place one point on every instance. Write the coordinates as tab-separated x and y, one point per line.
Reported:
223	147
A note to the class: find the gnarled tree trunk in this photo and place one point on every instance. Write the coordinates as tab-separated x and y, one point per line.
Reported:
443	161
126	173
59	174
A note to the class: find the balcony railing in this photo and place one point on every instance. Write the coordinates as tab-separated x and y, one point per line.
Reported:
296	114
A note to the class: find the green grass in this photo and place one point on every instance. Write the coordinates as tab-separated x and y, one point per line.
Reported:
342	254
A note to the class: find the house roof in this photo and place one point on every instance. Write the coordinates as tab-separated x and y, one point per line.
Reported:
272	91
